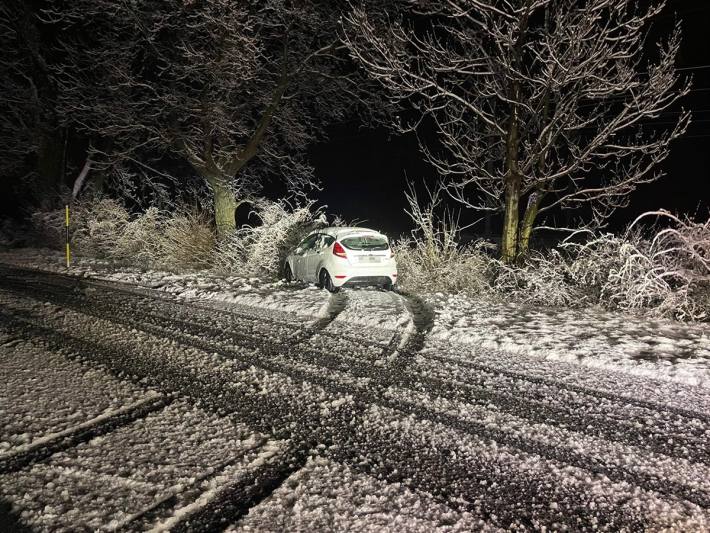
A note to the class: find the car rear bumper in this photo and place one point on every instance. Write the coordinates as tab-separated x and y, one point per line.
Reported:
378	274
362	281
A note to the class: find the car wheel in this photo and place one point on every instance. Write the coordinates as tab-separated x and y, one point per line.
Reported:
389	286
287	273
325	282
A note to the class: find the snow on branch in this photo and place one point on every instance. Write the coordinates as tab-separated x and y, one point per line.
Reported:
549	99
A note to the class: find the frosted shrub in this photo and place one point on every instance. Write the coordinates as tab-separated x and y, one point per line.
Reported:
189	240
432	259
141	240
614	271
261	250
103	228
96	223
431	267
169	240
543	279
667	274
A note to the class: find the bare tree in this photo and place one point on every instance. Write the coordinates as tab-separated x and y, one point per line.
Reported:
538	105
236	89
31	138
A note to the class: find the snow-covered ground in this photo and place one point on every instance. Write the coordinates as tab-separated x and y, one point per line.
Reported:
44	394
179	456
259	418
662	349
210	288
658	348
328	496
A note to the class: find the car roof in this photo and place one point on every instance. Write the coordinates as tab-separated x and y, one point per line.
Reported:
339	232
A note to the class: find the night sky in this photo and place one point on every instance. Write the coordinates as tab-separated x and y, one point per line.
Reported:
363	172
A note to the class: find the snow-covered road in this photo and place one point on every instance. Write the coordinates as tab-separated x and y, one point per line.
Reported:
130	409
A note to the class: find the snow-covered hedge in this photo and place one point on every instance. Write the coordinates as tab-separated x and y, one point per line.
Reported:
102	227
436	267
181	238
667	272
260	251
542	279
661	271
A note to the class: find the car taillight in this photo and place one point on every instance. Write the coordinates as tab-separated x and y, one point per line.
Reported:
339	250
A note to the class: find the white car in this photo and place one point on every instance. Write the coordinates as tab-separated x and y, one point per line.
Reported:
334	257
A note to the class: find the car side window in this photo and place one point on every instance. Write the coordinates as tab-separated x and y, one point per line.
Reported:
323	241
308	242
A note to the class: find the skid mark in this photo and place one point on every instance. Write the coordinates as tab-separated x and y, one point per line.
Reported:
422	316
336	305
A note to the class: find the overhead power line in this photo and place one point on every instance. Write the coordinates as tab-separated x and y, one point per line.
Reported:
698	67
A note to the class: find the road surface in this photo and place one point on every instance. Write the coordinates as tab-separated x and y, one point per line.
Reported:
128	409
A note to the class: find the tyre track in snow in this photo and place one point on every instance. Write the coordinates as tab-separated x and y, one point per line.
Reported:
236	499
336	304
233	501
396	455
518	491
409	408
62	284
380	453
422	317
400	333
229	502
524	402
377	389
47	446
263	321
459	388
214	508
253	338
519	442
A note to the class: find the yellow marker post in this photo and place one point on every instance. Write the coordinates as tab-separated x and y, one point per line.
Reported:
67	236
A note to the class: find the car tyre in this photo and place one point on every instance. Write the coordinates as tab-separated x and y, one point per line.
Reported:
389	286
288	274
325	282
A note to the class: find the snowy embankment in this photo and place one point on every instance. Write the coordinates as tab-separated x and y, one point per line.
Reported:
661	349
298	299
657	348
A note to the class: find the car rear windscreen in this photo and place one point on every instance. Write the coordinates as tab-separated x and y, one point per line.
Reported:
365	242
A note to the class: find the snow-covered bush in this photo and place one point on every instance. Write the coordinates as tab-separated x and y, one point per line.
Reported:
94	224
432	258
432	268
102	227
140	238
261	250
542	279
667	274
189	240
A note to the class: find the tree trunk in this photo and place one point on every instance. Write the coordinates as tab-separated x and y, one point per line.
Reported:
509	241
225	207
80	179
528	222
